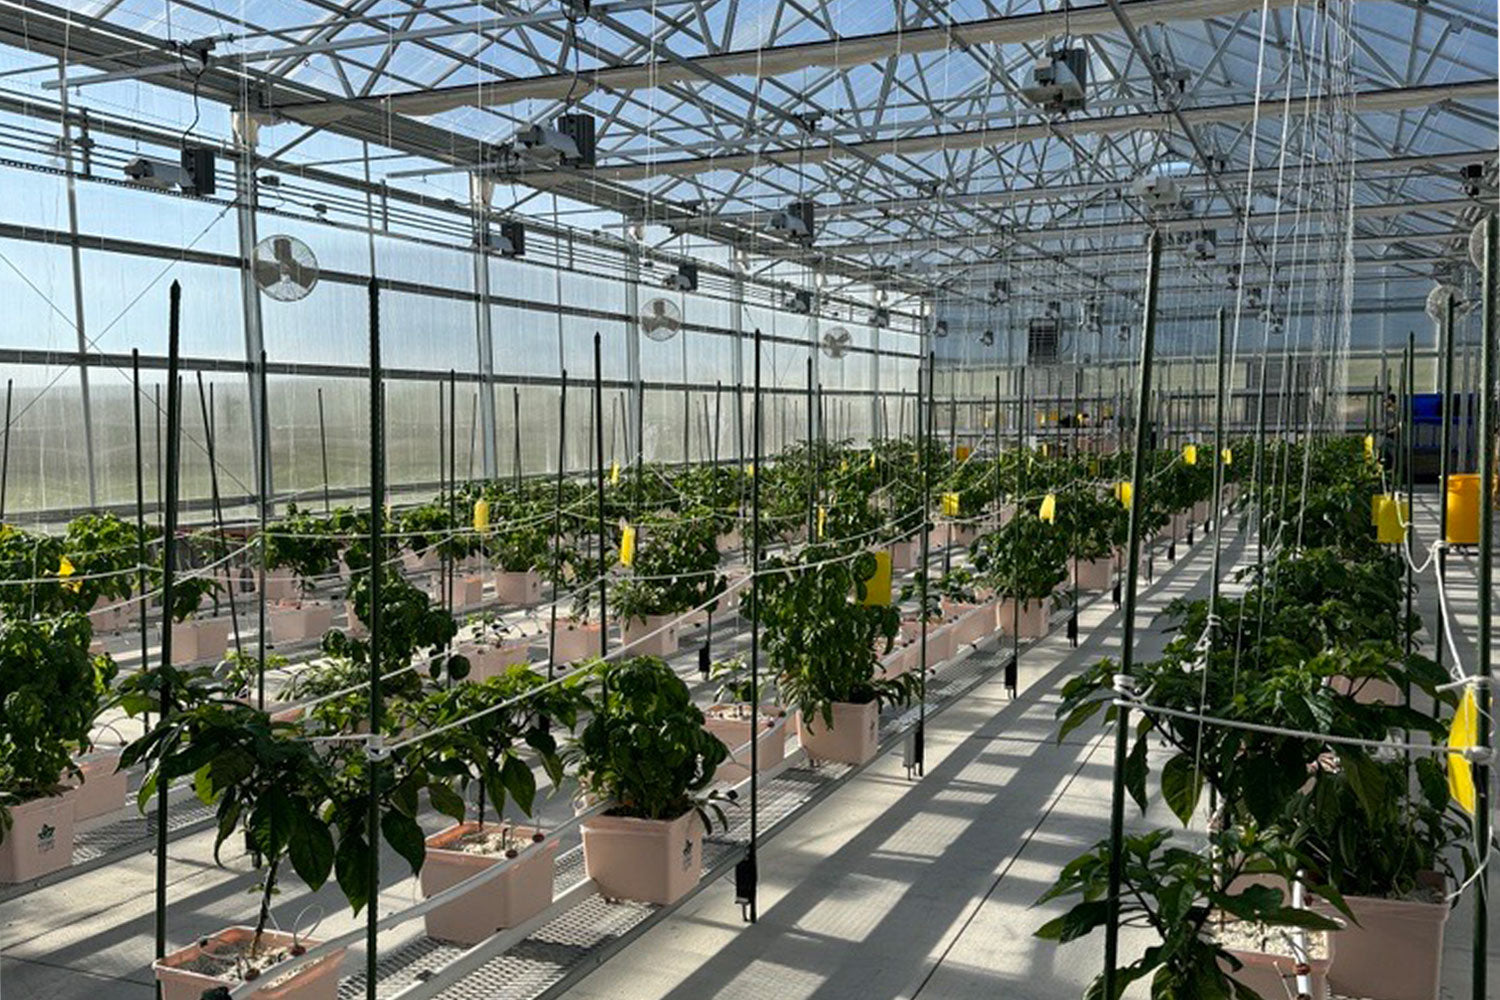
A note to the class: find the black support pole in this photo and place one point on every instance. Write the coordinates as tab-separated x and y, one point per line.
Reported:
377	571
168	592
140	517
5	453
323	448
599	492
1127	642
747	876
263	492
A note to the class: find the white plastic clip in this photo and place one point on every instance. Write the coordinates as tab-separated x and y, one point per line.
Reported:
1124	686
375	748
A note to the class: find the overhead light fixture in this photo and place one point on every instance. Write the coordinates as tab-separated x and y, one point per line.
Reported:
796	220
510	241
192	174
1059	81
570	139
684	280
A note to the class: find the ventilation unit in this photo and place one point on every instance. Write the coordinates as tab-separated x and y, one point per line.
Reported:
285	269
836	343
1043	334
660	319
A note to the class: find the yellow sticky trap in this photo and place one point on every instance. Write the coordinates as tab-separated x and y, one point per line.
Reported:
878	585
1124	492
1045	449
1390	527
822	519
1227	455
627	545
482	516
872	460
1190	454
844	465
962	453
1462	735
750	469
1048	511
614	473
1369	446
66	569
950	504
1093	466
1375	503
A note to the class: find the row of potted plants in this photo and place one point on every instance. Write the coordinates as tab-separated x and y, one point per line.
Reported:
1314	644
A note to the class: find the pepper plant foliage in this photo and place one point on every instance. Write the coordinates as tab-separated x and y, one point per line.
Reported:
304	543
644	747
295	801
51	688
1180	894
675	568
823	647
1025	559
484	732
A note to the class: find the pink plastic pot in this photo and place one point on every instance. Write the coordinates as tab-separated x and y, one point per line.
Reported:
518	589
40	838
199	639
426	562
1031	623
656	635
904	555
299	622
282	588
318	981
356	628
465	591
971	622
103	789
1395	952
939	640
647	860
734	733
576	641
514	896
853	738
1094	574
487	660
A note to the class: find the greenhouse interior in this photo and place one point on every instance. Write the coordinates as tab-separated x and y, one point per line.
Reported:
811	499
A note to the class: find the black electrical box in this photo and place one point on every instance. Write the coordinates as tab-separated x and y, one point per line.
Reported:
513	233
579	128
198	167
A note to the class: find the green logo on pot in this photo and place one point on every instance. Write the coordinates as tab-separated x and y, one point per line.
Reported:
46	839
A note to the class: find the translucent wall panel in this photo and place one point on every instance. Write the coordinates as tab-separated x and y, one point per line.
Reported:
39	279
126	305
297	443
47	466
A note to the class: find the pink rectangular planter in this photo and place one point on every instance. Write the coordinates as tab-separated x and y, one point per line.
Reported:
296	623
518	589
318	981
1272	976
1395	952
40	839
971	622
106	617
1032	623
489	660
199	639
466	591
1094	574
730	542
734	733
939	640
516	895
852	739
282	588
424	563
655	636
905	555
576	642
103	789
646	860
900	660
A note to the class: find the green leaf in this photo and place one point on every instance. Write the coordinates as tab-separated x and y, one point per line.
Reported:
1136	770
311	849
272	819
1080	714
1181	786
446	801
351	865
521	782
1081	920
405	837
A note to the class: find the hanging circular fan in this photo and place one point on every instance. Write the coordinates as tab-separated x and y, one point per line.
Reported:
285	268
836	342
1437	300
661	318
